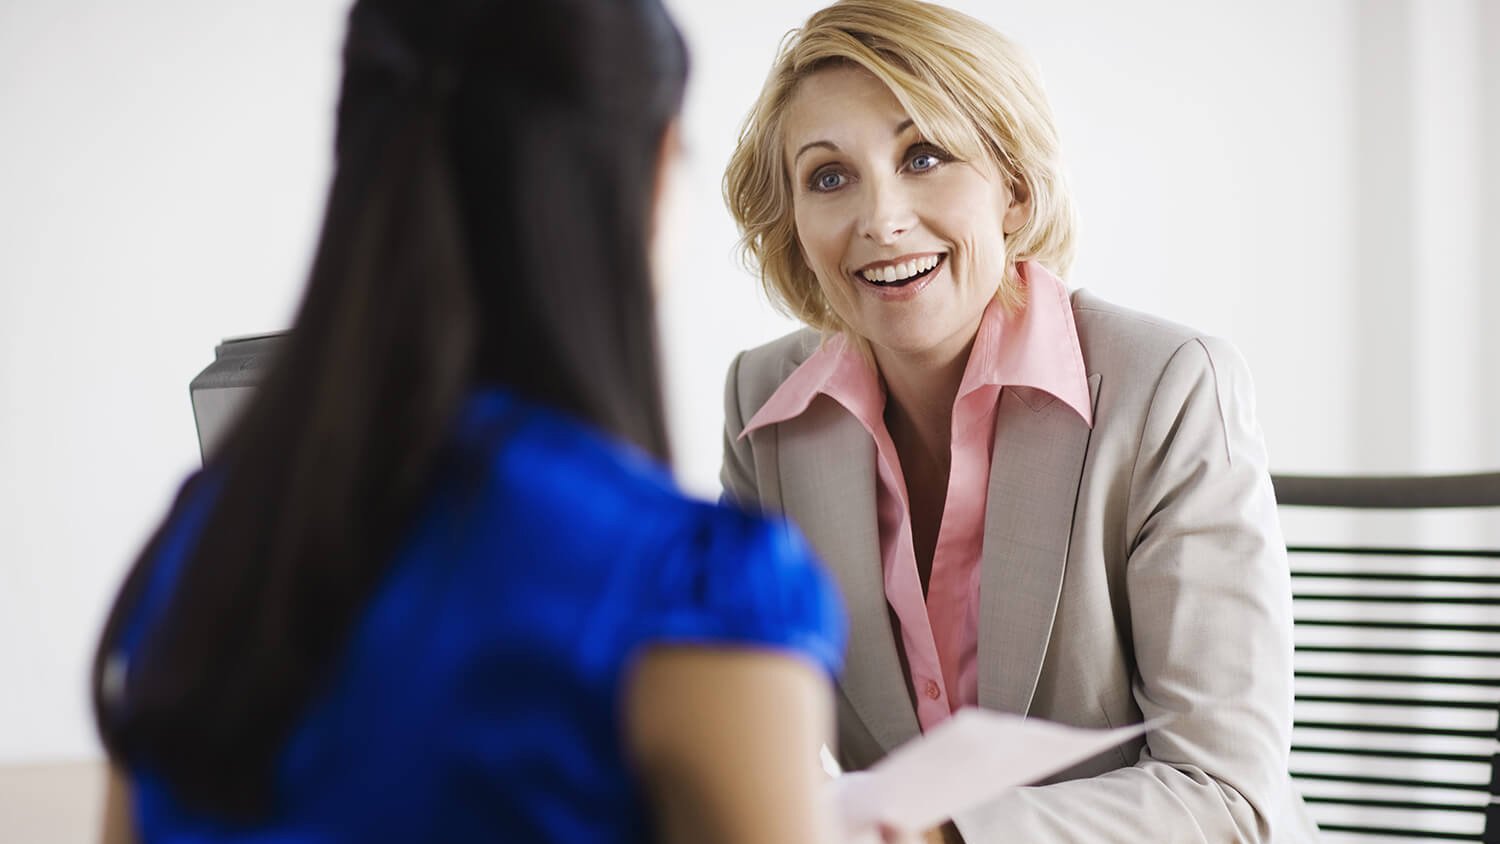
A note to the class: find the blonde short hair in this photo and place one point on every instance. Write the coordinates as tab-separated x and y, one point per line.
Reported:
964	85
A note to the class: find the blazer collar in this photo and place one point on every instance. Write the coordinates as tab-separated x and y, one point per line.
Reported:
1040	446
827	470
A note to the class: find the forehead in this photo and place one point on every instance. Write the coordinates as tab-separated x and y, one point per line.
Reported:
838	102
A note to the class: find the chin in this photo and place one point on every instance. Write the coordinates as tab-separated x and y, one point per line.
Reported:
904	342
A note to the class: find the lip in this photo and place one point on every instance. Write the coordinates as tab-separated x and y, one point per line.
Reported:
905	292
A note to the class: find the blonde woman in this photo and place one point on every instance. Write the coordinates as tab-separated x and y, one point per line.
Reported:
1034	501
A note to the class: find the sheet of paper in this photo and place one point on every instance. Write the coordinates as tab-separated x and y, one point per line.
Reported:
963	762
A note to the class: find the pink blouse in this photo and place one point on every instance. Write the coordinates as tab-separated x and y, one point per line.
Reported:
1037	347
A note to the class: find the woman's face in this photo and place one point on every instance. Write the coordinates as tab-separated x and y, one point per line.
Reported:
907	243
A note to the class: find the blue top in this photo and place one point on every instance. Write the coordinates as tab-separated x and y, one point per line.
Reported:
479	696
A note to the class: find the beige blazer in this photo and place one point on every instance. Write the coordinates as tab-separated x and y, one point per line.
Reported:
1130	571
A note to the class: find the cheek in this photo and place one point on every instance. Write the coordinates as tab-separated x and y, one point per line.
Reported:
822	246
822	251
809	229
978	221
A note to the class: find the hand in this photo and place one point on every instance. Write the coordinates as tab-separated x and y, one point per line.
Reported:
893	835
896	835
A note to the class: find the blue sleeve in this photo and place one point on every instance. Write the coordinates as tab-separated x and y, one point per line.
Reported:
736	579
179	533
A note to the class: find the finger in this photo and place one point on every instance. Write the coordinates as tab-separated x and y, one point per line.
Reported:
896	835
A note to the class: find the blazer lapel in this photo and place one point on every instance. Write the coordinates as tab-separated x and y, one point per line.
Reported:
1040	444
827	467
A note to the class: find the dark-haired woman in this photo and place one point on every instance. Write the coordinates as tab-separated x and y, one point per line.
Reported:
436	585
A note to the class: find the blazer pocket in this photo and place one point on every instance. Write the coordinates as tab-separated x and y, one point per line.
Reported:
1117	705
1108	710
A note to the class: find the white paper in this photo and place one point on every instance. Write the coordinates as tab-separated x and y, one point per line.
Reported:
967	760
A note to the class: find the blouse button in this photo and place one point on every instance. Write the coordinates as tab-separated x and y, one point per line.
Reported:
932	691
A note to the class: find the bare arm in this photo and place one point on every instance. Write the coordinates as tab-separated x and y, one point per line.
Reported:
119	827
726	742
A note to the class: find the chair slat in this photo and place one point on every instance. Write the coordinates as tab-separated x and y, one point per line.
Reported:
1425	600
1488	682
1406	492
1397	832
1396	729
1394	551
1394	577
1364	650
1398	625
1475	705
1391	781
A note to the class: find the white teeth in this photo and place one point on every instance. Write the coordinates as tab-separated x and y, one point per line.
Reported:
905	269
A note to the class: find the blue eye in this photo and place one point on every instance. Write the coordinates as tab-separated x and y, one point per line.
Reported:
924	161
827	180
922	157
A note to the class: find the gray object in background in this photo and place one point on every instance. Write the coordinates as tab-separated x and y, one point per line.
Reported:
219	392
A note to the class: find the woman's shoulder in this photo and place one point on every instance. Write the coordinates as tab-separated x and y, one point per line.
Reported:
792	348
1122	342
730	577
565	464
1149	362
690	570
1101	322
758	371
560	460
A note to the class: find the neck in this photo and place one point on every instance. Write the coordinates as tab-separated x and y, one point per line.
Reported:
920	392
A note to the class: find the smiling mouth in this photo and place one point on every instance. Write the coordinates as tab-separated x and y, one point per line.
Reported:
900	275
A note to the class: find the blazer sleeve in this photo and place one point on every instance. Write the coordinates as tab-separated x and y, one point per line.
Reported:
1210	631
737	472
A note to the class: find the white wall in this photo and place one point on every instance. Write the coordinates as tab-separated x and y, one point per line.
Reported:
162	166
1294	176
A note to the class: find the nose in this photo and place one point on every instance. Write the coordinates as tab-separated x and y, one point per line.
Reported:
887	213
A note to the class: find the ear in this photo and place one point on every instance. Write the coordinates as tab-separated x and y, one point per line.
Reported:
660	243
666	156
1018	211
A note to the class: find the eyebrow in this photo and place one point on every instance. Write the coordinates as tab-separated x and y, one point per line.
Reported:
828	145
832	147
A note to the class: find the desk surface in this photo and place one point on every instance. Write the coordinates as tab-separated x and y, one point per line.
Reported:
52	802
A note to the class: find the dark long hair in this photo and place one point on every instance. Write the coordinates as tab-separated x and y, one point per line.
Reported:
488	223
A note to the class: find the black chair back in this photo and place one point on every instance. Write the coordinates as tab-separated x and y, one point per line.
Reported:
1397	720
